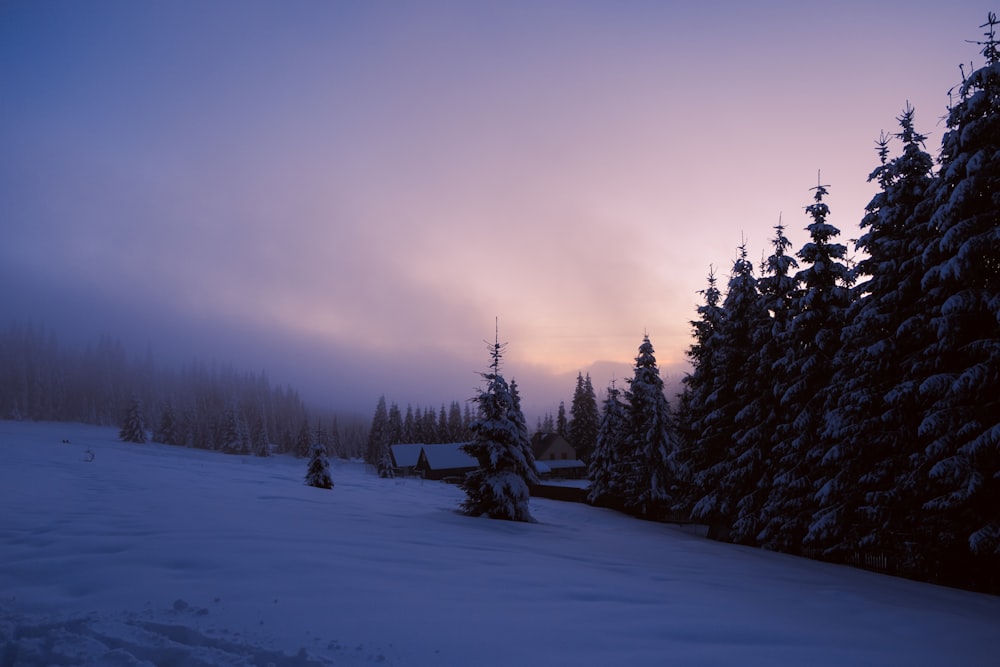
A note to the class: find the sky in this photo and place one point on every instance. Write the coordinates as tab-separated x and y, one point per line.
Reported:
354	196
234	561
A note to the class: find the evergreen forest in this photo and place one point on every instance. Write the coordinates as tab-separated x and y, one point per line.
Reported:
848	411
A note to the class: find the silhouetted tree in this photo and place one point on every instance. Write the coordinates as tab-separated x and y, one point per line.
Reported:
318	473
584	418
133	428
499	487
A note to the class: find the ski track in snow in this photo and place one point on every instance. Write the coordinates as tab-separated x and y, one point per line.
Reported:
157	555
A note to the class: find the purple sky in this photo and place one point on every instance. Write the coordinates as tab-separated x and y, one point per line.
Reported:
347	194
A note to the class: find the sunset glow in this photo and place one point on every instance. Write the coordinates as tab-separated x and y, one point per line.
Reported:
349	194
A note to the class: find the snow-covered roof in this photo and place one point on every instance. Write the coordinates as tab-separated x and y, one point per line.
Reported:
564	463
405	455
448	456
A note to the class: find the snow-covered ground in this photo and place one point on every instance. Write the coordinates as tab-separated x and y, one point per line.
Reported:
159	555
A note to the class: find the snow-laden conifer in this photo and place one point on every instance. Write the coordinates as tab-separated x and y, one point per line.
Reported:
652	442
318	472
605	470
872	423
725	475
700	394
133	428
805	372
378	434
757	422
962	293
584	418
500	486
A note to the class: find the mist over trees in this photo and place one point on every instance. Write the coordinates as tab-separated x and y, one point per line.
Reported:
211	407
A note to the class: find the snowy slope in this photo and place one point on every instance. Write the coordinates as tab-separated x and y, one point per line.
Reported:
166	556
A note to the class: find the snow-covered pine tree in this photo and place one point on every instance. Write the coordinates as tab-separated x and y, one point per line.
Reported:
168	430
757	421
409	428
719	483
605	468
378	434
133	428
500	486
652	441
807	369
873	423
318	472
698	398
524	438
962	292
584	418
394	425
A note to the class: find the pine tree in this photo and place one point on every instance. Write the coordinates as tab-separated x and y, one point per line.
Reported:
962	294
757	422
584	418
698	399
651	442
548	423
605	470
719	484
133	428
813	338
429	427
318	472
521	424
499	487
168	431
456	431
378	434
562	428
442	425
872	426
394	429
409	429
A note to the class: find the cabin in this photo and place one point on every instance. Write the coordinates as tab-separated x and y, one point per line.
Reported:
404	458
556	458
551	447
446	461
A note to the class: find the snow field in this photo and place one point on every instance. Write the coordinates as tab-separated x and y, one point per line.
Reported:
157	555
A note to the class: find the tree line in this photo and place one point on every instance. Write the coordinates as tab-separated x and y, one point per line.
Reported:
836	409
208	406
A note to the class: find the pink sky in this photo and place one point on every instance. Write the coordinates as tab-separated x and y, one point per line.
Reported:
348	194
